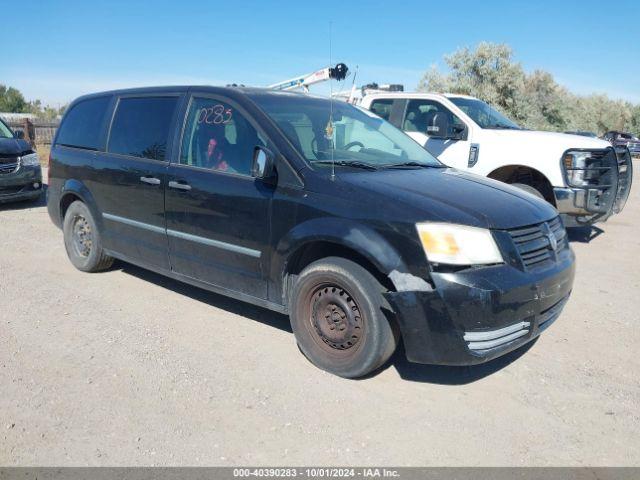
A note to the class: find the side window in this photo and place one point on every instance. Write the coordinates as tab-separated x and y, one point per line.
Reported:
382	107
83	125
218	137
422	115
141	127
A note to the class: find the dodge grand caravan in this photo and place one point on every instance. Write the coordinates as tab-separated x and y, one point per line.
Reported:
20	171
313	208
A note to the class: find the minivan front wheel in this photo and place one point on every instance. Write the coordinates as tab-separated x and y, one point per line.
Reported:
82	240
337	316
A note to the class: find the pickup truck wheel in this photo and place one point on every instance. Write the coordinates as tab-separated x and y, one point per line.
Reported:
338	320
530	189
82	240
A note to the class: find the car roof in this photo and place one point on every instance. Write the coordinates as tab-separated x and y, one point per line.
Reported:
232	91
418	95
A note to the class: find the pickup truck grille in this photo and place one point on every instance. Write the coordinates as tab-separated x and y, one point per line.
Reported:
539	245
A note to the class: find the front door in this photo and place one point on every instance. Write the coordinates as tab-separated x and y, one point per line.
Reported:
418	122
218	215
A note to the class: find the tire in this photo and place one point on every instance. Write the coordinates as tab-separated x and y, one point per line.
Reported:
82	240
530	189
338	320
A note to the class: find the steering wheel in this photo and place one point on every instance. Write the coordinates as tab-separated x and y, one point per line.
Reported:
353	144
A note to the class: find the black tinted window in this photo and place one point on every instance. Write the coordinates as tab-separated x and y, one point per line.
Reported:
141	126
83	124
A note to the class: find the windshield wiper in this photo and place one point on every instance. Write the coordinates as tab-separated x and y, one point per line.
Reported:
412	164
348	163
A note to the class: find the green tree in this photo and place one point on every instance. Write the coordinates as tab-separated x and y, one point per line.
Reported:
11	100
535	100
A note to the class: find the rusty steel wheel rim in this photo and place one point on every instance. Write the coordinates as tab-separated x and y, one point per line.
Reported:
336	319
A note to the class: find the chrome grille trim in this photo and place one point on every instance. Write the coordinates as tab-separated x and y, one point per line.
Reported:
7	168
533	243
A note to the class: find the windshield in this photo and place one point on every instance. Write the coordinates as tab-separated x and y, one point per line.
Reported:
483	114
4	131
358	137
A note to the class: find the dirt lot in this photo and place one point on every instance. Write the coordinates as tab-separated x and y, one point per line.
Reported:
129	368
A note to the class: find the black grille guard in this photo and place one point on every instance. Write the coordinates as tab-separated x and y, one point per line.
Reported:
625	178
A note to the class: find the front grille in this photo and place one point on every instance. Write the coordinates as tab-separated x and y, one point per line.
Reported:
539	245
548	316
6	168
482	341
4	191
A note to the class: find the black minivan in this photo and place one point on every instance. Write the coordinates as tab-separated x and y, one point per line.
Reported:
20	171
314	208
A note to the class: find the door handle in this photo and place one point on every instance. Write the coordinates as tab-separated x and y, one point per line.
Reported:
179	185
150	180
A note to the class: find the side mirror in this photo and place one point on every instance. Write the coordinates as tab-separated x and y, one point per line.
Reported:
459	132
19	134
438	126
263	166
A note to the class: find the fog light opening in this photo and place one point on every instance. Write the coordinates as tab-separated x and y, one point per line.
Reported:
36	185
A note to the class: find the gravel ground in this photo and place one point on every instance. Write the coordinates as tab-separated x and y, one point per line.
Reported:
129	368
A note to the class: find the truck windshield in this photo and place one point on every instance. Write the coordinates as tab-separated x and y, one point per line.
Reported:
483	114
325	132
4	131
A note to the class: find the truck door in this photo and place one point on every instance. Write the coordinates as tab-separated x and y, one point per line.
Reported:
439	130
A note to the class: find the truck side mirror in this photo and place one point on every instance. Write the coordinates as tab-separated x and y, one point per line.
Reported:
459	132
263	166
438	125
19	134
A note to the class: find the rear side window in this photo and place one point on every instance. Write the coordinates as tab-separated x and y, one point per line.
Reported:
83	124
382	108
141	125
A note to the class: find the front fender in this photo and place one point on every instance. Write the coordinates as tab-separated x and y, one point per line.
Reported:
345	233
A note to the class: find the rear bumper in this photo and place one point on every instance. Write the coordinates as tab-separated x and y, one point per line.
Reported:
476	315
24	184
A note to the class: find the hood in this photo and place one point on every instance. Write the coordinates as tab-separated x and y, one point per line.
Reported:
10	147
448	195
557	140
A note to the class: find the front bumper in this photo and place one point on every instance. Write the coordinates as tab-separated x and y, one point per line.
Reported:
586	206
21	184
476	315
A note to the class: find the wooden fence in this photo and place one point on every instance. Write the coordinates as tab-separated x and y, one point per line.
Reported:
36	131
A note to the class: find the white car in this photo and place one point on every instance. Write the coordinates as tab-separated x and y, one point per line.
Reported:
586	179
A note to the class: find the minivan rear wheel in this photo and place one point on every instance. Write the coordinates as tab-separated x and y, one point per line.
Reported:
337	316
82	240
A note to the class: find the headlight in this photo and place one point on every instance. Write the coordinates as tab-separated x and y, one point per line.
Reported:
574	165
30	160
458	244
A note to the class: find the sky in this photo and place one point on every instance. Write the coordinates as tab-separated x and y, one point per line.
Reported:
59	50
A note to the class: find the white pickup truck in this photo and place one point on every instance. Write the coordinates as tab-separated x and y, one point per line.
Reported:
586	179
